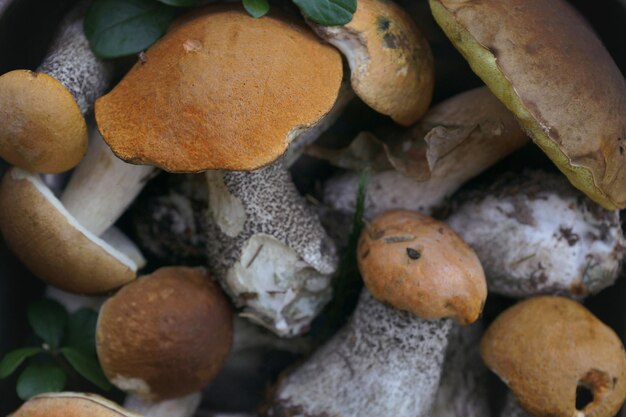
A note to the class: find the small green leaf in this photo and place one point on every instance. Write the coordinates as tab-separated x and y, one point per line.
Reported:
47	318
80	332
179	3
14	359
87	366
256	8
118	28
39	378
328	12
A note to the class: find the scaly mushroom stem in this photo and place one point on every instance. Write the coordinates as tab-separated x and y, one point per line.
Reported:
536	234
384	362
268	248
71	62
178	407
463	390
512	408
103	186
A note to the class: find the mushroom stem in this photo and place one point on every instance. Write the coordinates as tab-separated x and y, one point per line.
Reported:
268	248
512	407
384	362
177	407
103	186
536	234
463	390
71	62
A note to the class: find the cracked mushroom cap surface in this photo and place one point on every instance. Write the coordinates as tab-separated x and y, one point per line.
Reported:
221	90
42	129
166	335
544	62
391	64
546	348
416	263
71	404
52	244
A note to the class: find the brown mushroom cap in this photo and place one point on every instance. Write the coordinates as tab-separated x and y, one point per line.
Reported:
544	348
71	404
543	61
222	90
51	243
416	263
165	335
42	129
391	62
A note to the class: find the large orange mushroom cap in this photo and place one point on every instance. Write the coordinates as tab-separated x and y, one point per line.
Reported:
222	90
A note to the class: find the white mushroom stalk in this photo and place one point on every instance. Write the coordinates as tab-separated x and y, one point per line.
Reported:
463	390
384	362
455	141
178	407
536	234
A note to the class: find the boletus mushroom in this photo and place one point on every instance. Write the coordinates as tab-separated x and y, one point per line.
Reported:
71	404
166	335
545	63
551	350
387	360
44	128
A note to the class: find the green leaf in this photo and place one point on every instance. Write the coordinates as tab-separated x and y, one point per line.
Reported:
39	378
87	366
47	318
14	359
256	8
118	28
80	332
179	3
328	12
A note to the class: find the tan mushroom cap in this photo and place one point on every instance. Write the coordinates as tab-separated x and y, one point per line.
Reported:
543	61
391	64
222	90
544	348
42	129
165	335
50	242
416	263
71	404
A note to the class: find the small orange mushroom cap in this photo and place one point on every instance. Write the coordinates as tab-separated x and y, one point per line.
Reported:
416	263
221	90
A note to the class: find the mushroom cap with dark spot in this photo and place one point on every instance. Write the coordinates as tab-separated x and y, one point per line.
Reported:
221	90
42	128
71	404
545	63
545	348
416	263
165	335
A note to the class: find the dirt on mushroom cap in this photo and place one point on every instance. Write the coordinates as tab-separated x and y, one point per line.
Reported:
221	90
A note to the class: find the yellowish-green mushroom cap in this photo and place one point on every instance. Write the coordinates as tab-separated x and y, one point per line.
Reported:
543	61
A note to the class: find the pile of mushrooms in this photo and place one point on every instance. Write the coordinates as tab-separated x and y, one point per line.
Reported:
263	224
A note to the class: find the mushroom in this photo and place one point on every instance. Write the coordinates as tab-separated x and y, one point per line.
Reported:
165	335
387	361
390	61
456	140
53	245
45	128
178	407
536	234
551	350
71	404
558	80
257	96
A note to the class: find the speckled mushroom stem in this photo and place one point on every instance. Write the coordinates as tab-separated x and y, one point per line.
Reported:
178	407
103	186
268	248
512	408
463	390
536	234
71	62
384	362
